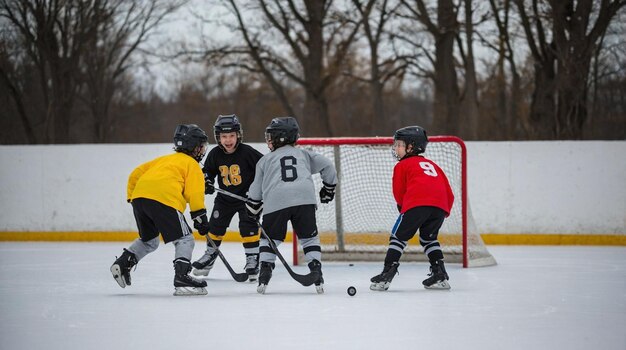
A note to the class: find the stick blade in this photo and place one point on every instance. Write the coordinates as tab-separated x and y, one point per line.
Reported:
240	277
308	279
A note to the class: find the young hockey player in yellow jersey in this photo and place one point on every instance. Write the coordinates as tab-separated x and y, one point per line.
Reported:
159	191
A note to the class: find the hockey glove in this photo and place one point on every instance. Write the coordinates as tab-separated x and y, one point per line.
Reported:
200	221
254	209
208	185
327	193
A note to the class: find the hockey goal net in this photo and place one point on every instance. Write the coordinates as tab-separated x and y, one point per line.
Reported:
356	225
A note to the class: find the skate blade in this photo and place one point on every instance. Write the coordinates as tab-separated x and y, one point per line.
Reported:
117	275
185	291
319	289
261	288
380	286
439	285
197	272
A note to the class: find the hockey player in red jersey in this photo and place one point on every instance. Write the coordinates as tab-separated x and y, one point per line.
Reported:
424	198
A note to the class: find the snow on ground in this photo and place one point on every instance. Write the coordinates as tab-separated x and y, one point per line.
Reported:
62	296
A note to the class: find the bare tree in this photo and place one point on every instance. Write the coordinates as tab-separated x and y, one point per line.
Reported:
54	33
296	44
607	112
444	31
562	61
510	121
375	17
77	46
576	39
469	96
123	27
542	109
15	80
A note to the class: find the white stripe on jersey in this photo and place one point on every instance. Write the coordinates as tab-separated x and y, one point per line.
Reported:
183	224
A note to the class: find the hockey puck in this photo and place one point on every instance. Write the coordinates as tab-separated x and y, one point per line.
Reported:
350	264
351	291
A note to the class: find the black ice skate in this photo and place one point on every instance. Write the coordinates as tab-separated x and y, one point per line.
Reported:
185	284
381	282
203	266
252	267
264	276
121	268
315	265
438	276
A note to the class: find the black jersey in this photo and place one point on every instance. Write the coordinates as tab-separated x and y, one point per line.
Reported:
235	171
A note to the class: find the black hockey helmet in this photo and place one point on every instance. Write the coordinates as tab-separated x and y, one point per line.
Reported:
191	140
227	123
282	131
414	136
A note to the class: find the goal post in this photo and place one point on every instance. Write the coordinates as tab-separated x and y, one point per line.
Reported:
355	226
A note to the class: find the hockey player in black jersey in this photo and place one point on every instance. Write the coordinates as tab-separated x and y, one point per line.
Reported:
233	163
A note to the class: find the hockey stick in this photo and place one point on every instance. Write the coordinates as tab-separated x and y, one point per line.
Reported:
305	280
239	277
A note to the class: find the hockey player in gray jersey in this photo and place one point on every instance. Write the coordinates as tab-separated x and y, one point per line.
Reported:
283	189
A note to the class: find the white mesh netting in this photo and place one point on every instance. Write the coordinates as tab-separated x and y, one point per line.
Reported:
356	225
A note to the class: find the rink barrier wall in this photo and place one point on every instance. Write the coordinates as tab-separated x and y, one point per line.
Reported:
533	192
233	236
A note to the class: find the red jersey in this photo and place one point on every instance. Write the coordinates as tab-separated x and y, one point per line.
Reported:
418	181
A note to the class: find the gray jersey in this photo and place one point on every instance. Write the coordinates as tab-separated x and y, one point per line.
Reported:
284	179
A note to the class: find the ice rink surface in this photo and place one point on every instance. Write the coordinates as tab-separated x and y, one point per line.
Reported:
62	296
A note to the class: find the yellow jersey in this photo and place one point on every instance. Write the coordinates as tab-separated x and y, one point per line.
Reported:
174	180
